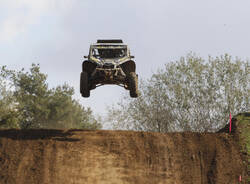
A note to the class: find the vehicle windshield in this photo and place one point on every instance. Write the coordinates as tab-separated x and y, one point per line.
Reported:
108	53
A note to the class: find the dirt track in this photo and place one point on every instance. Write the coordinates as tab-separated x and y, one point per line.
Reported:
117	157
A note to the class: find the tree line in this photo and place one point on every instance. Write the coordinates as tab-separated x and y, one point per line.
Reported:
190	94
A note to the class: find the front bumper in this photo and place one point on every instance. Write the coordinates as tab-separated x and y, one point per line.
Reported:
105	75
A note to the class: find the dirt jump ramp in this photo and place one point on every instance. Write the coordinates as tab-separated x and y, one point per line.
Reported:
117	157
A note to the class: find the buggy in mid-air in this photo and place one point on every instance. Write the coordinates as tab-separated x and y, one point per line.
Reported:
109	62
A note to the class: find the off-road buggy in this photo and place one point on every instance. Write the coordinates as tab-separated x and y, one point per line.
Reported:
108	62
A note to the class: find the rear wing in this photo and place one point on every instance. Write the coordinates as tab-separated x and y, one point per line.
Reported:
110	41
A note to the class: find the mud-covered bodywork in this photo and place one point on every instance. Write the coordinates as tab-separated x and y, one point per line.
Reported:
109	62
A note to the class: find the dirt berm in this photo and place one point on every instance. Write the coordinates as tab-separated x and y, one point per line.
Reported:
117	157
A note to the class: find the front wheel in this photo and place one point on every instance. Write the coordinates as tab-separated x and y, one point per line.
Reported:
84	84
133	84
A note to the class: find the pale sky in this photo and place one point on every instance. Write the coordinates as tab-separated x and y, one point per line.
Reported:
57	34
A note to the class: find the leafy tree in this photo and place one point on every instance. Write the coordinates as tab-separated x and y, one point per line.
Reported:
8	113
31	94
187	95
37	106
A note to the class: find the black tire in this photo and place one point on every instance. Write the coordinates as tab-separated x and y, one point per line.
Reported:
133	84
84	84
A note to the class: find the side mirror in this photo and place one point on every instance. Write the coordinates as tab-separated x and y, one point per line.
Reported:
132	56
85	56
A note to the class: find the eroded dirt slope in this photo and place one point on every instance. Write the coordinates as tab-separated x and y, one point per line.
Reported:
106	157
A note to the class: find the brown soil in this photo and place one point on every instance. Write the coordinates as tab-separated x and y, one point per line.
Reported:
117	157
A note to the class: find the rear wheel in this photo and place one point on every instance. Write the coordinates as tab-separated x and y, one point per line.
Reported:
133	84
84	84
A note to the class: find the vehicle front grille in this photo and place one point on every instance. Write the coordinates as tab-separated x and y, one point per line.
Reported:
108	66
